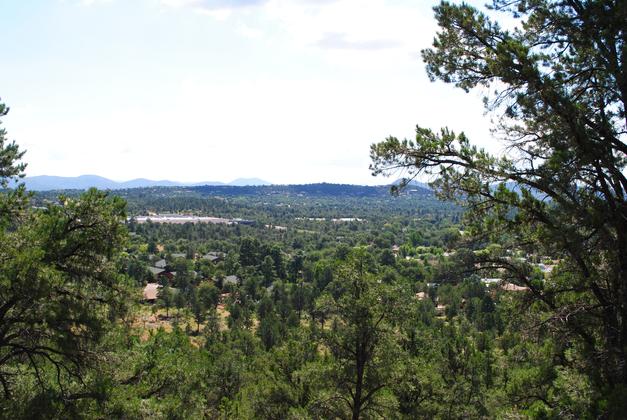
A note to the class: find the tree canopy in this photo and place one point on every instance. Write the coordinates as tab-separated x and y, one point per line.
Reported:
555	78
59	287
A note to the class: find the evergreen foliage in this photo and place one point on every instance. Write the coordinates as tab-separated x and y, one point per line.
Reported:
558	84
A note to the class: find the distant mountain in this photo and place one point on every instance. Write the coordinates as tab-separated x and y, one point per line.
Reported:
46	182
143	182
239	186
83	182
413	183
243	182
207	183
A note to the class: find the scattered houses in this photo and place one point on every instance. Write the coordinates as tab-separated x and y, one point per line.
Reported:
506	286
160	270
181	218
189	218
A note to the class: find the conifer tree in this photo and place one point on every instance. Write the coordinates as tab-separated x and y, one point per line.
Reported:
557	85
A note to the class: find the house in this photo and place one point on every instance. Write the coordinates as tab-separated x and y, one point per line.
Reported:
161	263
155	271
151	292
244	222
510	287
167	274
489	281
232	279
546	268
178	255
213	256
421	295
276	227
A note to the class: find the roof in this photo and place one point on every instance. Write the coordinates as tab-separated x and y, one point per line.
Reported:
546	268
510	287
161	263
151	291
179	255
213	256
487	281
421	295
232	279
155	271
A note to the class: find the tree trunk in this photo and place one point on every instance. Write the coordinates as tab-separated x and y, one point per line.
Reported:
360	364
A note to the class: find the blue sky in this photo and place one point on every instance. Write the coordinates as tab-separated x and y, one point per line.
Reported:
211	90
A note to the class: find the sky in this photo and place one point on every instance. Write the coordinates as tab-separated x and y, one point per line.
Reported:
290	91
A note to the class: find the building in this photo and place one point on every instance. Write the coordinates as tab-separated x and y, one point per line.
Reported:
232	279
151	292
155	272
244	221
213	256
421	295
489	281
510	287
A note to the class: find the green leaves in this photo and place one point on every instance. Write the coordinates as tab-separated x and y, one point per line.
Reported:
59	286
560	90
362	346
61	278
10	155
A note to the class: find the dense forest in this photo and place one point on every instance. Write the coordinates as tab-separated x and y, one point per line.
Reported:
499	293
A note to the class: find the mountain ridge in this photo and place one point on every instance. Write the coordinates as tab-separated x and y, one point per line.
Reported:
83	182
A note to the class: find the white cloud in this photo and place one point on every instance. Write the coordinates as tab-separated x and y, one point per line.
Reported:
333	24
340	41
213	4
204	104
248	31
92	2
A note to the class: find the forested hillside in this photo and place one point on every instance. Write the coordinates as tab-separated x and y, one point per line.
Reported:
499	293
300	306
